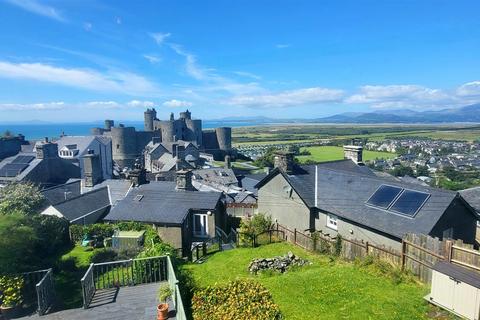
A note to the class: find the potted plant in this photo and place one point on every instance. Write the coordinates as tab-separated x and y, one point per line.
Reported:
164	292
10	296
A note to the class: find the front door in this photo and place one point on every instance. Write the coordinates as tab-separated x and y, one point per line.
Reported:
200	225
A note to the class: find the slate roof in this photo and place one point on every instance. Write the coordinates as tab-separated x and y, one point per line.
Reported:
31	166
82	142
84	204
345	192
472	196
60	193
221	176
117	188
161	203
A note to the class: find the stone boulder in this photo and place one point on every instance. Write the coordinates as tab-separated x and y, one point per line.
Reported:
278	264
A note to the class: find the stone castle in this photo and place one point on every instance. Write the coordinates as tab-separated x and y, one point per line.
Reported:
128	144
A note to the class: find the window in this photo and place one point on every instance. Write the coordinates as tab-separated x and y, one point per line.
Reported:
332	222
200	225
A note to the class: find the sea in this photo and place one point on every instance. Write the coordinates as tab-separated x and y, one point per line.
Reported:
35	131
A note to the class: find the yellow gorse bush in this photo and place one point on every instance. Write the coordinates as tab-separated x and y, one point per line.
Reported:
237	300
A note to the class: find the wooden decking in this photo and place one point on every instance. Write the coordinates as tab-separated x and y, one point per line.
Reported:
126	303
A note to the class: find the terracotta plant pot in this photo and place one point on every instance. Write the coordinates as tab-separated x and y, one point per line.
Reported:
162	311
10	312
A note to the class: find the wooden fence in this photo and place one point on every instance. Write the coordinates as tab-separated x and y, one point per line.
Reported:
418	253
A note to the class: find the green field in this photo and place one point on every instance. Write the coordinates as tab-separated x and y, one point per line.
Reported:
327	289
331	153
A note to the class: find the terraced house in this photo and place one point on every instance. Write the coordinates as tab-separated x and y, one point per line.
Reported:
347	198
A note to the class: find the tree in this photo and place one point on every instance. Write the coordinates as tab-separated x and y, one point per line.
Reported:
20	198
267	159
17	240
422	171
402	171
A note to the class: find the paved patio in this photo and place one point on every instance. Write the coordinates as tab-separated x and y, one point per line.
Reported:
127	303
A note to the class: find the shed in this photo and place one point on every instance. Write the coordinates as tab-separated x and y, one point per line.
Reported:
127	239
456	289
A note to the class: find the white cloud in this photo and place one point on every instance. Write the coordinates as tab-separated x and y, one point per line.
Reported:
32	106
289	98
160	37
152	58
103	104
141	104
247	75
401	96
177	104
111	81
39	8
469	89
118	20
87	26
282	46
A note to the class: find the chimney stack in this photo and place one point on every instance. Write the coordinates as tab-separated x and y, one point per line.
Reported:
46	150
354	153
92	168
284	161
184	180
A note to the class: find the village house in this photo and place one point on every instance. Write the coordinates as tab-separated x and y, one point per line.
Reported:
347	198
181	214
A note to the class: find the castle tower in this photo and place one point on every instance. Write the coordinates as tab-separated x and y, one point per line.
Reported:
109	124
186	115
124	145
149	116
224	138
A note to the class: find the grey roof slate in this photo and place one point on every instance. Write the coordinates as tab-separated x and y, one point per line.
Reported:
472	196
84	204
221	176
161	203
60	193
117	188
344	193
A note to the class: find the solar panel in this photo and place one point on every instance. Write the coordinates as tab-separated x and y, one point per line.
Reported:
384	196
409	202
23	159
12	169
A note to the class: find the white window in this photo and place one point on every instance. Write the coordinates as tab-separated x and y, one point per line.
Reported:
332	222
200	225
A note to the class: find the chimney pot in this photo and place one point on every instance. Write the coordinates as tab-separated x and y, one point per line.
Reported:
284	161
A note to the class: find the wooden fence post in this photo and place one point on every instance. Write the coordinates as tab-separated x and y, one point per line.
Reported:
404	251
366	247
448	250
295	235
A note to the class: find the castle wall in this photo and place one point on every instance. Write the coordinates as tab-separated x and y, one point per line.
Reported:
124	146
224	138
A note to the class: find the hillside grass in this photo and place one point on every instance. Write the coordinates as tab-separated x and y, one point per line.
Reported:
327	289
331	153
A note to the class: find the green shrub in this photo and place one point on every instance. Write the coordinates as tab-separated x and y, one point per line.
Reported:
20	198
158	249
240	299
52	234
68	264
103	255
11	291
250	227
128	253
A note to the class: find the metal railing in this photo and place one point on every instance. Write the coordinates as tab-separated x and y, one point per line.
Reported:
204	248
45	292
255	240
176	297
117	274
88	286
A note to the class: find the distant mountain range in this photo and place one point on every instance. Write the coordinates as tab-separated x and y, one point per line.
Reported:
464	114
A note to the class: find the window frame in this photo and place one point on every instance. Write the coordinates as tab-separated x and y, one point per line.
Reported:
332	222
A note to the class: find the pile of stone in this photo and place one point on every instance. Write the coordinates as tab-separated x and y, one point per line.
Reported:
278	264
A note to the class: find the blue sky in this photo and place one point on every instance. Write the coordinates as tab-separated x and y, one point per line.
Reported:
85	60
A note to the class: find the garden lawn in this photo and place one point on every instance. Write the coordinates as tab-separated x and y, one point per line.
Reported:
327	289
67	280
331	153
